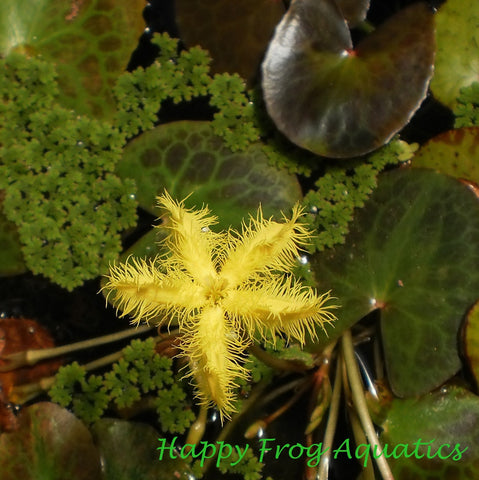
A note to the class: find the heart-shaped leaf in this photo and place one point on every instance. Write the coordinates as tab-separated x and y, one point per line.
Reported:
187	157
457	56
413	253
339	102
354	11
433	437
89	41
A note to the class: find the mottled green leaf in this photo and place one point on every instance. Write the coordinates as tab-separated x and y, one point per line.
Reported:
471	340
457	56
51	444
187	158
338	101
235	34
90	42
140	441
455	152
413	253
438	431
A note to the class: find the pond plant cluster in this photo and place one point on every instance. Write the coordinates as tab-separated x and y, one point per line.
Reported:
309	291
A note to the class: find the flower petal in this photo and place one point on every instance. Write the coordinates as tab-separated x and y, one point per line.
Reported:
215	349
264	245
144	292
286	307
190	239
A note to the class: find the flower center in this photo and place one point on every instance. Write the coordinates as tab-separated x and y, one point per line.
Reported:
215	288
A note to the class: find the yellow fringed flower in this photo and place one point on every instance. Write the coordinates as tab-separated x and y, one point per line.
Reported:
221	288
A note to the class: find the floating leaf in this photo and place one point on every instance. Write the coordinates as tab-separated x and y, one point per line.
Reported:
50	444
413	253
354	11
446	423
471	340
339	102
186	157
455	152
457	56
89	41
115	437
235	34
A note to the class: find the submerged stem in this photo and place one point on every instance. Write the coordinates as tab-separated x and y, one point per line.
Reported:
323	471
31	357
359	399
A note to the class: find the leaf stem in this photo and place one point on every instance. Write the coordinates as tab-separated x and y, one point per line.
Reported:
360	403
323	471
31	357
21	394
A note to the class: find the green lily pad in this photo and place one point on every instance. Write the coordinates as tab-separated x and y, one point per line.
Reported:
445	423
455	153
51	444
457	56
89	41
235	34
413	253
115	437
11	257
338	101
187	157
471	341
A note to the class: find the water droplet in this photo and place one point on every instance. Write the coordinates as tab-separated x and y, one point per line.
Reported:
372	302
314	210
303	259
205	229
132	196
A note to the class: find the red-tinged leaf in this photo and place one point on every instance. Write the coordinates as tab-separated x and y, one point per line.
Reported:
17	335
338	101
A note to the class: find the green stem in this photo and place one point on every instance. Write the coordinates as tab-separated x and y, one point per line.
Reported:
360	439
323	471
31	357
24	393
359	399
